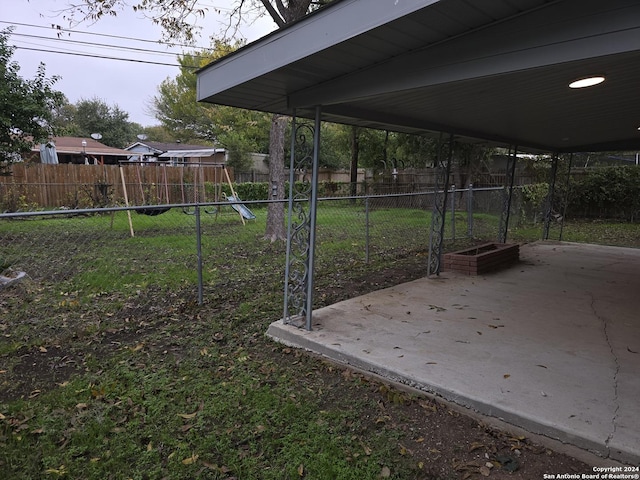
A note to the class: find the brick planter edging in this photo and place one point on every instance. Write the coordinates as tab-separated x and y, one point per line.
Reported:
482	258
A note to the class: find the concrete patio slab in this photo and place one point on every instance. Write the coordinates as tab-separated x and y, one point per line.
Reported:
551	345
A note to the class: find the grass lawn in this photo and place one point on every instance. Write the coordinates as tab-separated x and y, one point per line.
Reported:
109	368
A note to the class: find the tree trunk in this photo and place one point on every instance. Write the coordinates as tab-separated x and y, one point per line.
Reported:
275	211
355	147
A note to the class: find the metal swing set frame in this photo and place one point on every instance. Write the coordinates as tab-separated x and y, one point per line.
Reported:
192	193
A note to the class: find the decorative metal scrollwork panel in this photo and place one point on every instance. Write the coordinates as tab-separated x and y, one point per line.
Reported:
436	234
507	196
298	253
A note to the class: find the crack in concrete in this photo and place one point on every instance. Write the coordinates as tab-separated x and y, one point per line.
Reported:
605	330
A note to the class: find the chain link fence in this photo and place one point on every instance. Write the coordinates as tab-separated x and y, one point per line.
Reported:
129	250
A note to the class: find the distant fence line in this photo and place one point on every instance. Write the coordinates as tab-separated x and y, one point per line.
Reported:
69	185
35	185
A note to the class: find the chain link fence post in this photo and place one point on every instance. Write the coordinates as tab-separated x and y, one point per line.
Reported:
366	229
453	212
199	253
470	211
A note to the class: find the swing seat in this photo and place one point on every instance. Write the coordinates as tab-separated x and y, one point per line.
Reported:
153	211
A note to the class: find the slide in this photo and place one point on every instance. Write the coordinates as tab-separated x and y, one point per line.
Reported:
240	208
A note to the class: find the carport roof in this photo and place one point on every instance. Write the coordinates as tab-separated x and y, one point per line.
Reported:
495	71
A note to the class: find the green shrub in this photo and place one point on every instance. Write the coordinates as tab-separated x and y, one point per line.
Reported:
533	201
611	192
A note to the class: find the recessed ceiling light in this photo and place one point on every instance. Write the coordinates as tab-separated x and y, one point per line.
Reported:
587	82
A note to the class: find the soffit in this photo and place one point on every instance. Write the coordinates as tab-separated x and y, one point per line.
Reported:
497	73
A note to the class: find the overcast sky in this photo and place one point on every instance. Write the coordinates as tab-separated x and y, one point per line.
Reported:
130	85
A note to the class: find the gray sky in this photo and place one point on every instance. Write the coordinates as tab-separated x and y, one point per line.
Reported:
130	85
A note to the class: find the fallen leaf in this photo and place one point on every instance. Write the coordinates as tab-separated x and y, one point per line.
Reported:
383	419
43	350
210	466
385	472
60	471
301	470
427	405
97	393
189	460
506	375
404	451
82	406
484	471
138	347
475	446
188	416
367	450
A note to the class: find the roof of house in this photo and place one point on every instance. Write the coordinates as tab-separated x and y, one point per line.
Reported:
161	147
73	145
198	153
498	72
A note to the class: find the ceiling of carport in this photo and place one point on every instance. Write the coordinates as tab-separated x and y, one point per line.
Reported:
495	71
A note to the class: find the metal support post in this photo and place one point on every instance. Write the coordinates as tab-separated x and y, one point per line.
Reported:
286	316
312	220
298	297
507	196
548	214
566	196
436	234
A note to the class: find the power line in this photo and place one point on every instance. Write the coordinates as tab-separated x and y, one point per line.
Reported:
103	35
104	57
79	42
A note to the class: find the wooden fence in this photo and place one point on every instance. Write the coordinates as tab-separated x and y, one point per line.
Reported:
83	186
36	185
